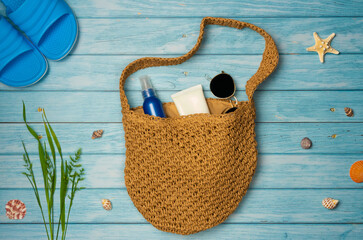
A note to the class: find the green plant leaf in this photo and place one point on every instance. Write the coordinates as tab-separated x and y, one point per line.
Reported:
24	112
54	137
31	130
50	141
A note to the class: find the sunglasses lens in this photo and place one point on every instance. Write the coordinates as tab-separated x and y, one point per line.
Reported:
222	86
230	110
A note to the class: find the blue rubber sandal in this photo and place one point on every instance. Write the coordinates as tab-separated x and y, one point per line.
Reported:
21	64
50	24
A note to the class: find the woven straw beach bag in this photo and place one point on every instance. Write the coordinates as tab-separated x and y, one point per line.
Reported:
188	173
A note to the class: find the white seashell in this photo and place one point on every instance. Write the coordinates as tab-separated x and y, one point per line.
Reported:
15	209
107	205
330	203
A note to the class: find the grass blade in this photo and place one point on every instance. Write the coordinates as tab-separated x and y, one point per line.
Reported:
54	137
54	175
30	129
50	141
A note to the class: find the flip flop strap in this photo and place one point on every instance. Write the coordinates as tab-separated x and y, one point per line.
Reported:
12	43
268	64
35	17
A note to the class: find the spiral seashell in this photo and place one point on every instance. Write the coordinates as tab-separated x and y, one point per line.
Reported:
107	205
306	143
97	134
349	112
15	209
356	172
330	203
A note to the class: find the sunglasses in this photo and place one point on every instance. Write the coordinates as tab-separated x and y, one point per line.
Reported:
222	86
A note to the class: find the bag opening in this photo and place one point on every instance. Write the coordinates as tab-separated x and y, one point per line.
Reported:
216	107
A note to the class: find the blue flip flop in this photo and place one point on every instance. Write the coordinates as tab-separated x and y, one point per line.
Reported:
21	64
50	24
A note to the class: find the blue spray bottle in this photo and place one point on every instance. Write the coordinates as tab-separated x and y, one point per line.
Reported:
152	105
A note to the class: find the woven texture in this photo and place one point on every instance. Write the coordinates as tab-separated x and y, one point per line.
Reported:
188	173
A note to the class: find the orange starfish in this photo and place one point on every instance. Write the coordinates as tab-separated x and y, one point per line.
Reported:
322	46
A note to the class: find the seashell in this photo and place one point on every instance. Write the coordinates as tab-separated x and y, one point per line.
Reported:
97	134
15	209
107	205
348	111
356	172
330	203
306	143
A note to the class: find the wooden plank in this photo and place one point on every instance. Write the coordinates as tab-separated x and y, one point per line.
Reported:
295	72
296	171
271	137
222	231
274	106
258	206
178	36
230	8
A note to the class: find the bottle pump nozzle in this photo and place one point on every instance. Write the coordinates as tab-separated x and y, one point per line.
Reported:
146	86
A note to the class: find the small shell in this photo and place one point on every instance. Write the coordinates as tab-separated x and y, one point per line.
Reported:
306	143
330	203
97	134
15	209
356	172
349	112
107	205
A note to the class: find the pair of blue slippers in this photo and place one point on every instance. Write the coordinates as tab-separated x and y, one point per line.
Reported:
50	31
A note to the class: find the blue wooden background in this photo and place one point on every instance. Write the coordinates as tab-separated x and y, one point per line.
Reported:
80	95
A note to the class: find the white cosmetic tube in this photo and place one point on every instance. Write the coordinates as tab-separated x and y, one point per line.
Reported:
191	101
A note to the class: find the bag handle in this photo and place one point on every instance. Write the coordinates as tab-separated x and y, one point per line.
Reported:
268	64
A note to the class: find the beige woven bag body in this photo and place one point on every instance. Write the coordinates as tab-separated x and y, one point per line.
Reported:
188	173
